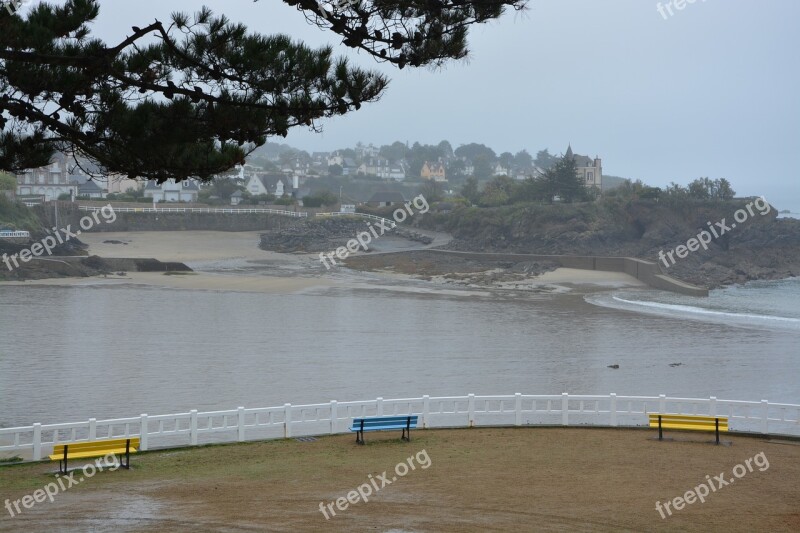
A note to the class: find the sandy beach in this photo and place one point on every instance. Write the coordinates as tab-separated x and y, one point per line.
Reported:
232	261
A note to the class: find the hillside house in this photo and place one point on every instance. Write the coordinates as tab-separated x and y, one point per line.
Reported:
433	171
170	191
589	170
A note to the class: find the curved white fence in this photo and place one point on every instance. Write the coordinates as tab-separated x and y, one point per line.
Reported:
387	222
297	214
193	428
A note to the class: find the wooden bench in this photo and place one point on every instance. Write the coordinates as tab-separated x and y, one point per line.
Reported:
688	422
97	448
381	423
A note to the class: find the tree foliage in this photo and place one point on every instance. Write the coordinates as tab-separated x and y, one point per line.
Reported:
193	97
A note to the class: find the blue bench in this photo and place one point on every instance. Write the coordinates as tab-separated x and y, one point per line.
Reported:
380	423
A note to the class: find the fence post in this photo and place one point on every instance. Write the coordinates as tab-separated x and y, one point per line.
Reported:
143	433
426	408
241	423
564	409
662	403
379	407
518	409
334	416
764	416
712	406
92	428
613	409
193	426
471	410
37	441
287	420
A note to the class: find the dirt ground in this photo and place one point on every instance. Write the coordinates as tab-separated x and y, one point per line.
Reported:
511	479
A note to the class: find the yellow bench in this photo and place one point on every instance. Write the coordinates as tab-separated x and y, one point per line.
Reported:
688	422
97	448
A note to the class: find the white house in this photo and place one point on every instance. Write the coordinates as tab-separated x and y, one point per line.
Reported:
170	191
50	181
275	184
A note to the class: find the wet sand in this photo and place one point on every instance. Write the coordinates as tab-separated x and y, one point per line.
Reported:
232	261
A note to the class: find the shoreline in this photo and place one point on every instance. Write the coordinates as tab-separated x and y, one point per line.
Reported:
232	261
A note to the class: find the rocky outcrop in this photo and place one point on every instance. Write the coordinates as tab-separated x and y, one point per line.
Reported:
761	247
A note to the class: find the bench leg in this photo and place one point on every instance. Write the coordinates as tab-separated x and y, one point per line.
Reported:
64	469
716	427
127	464
660	434
360	437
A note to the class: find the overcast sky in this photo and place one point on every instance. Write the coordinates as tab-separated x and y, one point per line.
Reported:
713	90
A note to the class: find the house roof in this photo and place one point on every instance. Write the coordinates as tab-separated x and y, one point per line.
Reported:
89	187
580	160
270	181
236	194
387	196
191	185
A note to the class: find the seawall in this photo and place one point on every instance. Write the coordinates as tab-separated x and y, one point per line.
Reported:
645	271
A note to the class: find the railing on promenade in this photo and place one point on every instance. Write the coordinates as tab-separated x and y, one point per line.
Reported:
193	427
297	214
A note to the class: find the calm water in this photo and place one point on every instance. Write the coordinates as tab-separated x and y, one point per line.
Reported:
68	354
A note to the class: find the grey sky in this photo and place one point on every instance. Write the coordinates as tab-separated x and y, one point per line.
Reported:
714	90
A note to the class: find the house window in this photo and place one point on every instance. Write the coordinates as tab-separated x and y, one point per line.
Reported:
590	176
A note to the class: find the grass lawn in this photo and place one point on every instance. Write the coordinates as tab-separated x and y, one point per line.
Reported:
487	479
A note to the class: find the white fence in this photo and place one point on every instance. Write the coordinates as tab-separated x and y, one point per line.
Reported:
15	234
193	428
297	214
389	223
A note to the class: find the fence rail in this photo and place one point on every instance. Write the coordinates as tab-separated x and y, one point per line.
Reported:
296	214
387	222
193	428
15	234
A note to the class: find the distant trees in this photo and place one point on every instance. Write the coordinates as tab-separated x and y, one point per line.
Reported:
702	189
483	167
472	151
560	182
523	160
544	160
394	152
323	197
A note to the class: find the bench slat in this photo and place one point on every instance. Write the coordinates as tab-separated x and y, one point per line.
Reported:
689	422
81	455
79	447
379	423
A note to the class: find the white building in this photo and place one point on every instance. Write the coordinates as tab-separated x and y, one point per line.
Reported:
51	181
274	184
170	191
